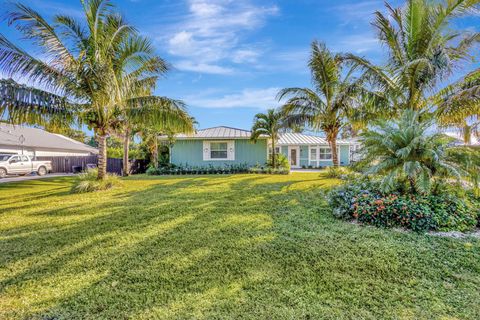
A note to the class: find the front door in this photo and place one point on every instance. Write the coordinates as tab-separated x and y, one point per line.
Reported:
294	156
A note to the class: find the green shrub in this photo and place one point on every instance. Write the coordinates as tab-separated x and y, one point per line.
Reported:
87	182
187	169
342	198
338	172
452	213
283	163
362	200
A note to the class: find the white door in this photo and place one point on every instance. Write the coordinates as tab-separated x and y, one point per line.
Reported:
294	157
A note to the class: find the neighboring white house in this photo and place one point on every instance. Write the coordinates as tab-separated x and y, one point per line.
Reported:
40	143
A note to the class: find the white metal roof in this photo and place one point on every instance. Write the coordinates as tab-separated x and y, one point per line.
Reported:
38	138
304	139
216	133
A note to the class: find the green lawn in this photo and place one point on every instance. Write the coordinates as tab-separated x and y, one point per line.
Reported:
219	247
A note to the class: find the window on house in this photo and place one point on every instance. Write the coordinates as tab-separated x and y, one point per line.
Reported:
277	150
219	150
313	154
325	153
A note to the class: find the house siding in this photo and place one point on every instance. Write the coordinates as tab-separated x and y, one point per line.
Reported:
190	152
303	155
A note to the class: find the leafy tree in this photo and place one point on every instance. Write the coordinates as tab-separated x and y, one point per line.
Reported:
336	94
102	64
268	125
403	152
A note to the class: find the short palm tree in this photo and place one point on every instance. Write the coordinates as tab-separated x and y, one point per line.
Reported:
335	95
268	125
423	50
404	152
102	64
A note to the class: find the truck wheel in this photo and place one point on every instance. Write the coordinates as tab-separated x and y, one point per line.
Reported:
3	173
42	171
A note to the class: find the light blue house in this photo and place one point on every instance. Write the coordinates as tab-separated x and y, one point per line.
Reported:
220	146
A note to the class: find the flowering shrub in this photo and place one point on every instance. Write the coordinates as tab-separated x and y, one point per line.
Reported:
362	200
342	198
394	211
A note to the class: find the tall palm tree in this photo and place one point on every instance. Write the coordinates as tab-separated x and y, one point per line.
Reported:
102	64
459	105
335	95
422	47
403	151
269	125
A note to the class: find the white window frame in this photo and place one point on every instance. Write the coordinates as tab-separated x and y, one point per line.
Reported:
207	150
325	148
270	149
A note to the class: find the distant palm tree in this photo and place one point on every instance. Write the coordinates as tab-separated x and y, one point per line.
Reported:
268	125
102	64
335	96
404	151
423	50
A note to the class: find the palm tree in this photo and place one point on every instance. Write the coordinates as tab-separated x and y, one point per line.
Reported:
335	95
103	65
268	125
404	152
459	105
423	50
163	115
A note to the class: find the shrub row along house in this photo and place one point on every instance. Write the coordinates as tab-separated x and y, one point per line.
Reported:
220	146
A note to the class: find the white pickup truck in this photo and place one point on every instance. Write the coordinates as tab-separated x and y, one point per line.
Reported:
11	164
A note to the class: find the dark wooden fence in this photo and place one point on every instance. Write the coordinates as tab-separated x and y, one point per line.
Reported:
73	164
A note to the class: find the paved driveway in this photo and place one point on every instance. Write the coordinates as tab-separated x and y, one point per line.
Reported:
33	177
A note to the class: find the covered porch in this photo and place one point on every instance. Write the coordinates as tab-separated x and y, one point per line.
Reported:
310	152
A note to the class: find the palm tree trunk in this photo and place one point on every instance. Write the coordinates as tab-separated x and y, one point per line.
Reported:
274	155
102	156
126	150
333	146
155	152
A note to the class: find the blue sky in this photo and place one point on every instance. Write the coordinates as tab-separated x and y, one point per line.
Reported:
230	57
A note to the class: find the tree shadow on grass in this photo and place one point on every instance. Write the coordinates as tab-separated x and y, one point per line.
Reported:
156	227
216	247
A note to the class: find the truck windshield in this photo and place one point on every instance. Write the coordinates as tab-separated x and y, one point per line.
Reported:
4	157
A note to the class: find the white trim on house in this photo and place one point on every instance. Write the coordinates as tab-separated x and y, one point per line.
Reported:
207	150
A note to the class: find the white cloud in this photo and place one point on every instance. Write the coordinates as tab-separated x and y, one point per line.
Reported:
212	32
202	67
247	98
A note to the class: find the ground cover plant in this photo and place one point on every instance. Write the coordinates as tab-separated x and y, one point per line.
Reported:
219	247
87	182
